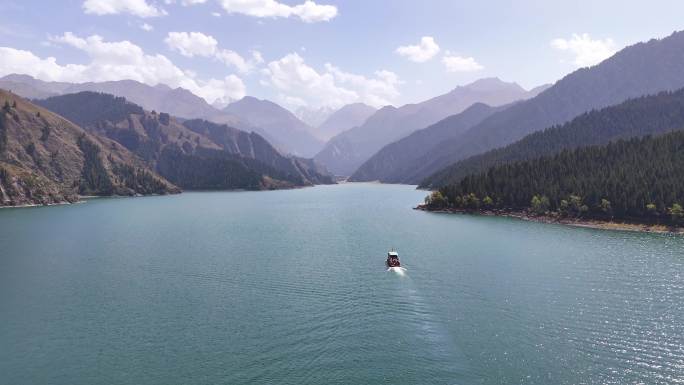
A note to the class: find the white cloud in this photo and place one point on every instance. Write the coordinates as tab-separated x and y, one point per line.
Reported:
117	61
424	51
146	27
215	14
455	63
257	57
309	11
229	57
587	52
300	84
138	8
192	2
192	44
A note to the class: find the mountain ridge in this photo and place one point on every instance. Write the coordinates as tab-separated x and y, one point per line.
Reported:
222	157
344	153
640	69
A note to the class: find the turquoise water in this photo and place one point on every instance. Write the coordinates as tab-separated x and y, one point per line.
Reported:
289	287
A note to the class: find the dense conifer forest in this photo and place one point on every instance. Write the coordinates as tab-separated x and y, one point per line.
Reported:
639	179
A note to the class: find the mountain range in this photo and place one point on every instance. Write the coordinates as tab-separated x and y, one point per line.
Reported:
640	69
646	115
184	104
398	161
194	154
344	153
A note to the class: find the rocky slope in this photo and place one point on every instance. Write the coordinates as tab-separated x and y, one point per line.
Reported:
45	159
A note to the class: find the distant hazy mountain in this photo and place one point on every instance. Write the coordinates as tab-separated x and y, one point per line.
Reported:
194	154
347	117
398	162
344	153
314	117
46	159
647	115
50	88
279	124
161	98
641	69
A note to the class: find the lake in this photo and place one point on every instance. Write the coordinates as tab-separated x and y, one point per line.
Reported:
290	287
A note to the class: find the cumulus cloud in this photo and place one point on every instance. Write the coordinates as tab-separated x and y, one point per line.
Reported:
146	27
140	8
192	44
309	11
587	51
422	52
117	61
455	63
300	84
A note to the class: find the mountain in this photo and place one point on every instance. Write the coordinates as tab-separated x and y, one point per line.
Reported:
398	162
314	117
280	125
639	179
344	153
194	154
46	159
347	117
178	102
33	84
641	69
647	115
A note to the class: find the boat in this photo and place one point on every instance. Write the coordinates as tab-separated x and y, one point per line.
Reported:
393	259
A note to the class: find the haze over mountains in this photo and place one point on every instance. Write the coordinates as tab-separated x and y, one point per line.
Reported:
344	153
347	117
399	161
283	128
184	104
641	69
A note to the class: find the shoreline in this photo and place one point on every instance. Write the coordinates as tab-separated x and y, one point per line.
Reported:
86	198
575	222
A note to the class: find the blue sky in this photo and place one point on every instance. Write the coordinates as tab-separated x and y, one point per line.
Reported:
324	52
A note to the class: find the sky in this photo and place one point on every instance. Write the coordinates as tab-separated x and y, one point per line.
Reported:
322	53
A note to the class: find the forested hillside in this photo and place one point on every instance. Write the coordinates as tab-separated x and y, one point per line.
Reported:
640	179
195	154
642	116
45	159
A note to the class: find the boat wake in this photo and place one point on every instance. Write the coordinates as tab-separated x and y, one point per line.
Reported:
398	270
